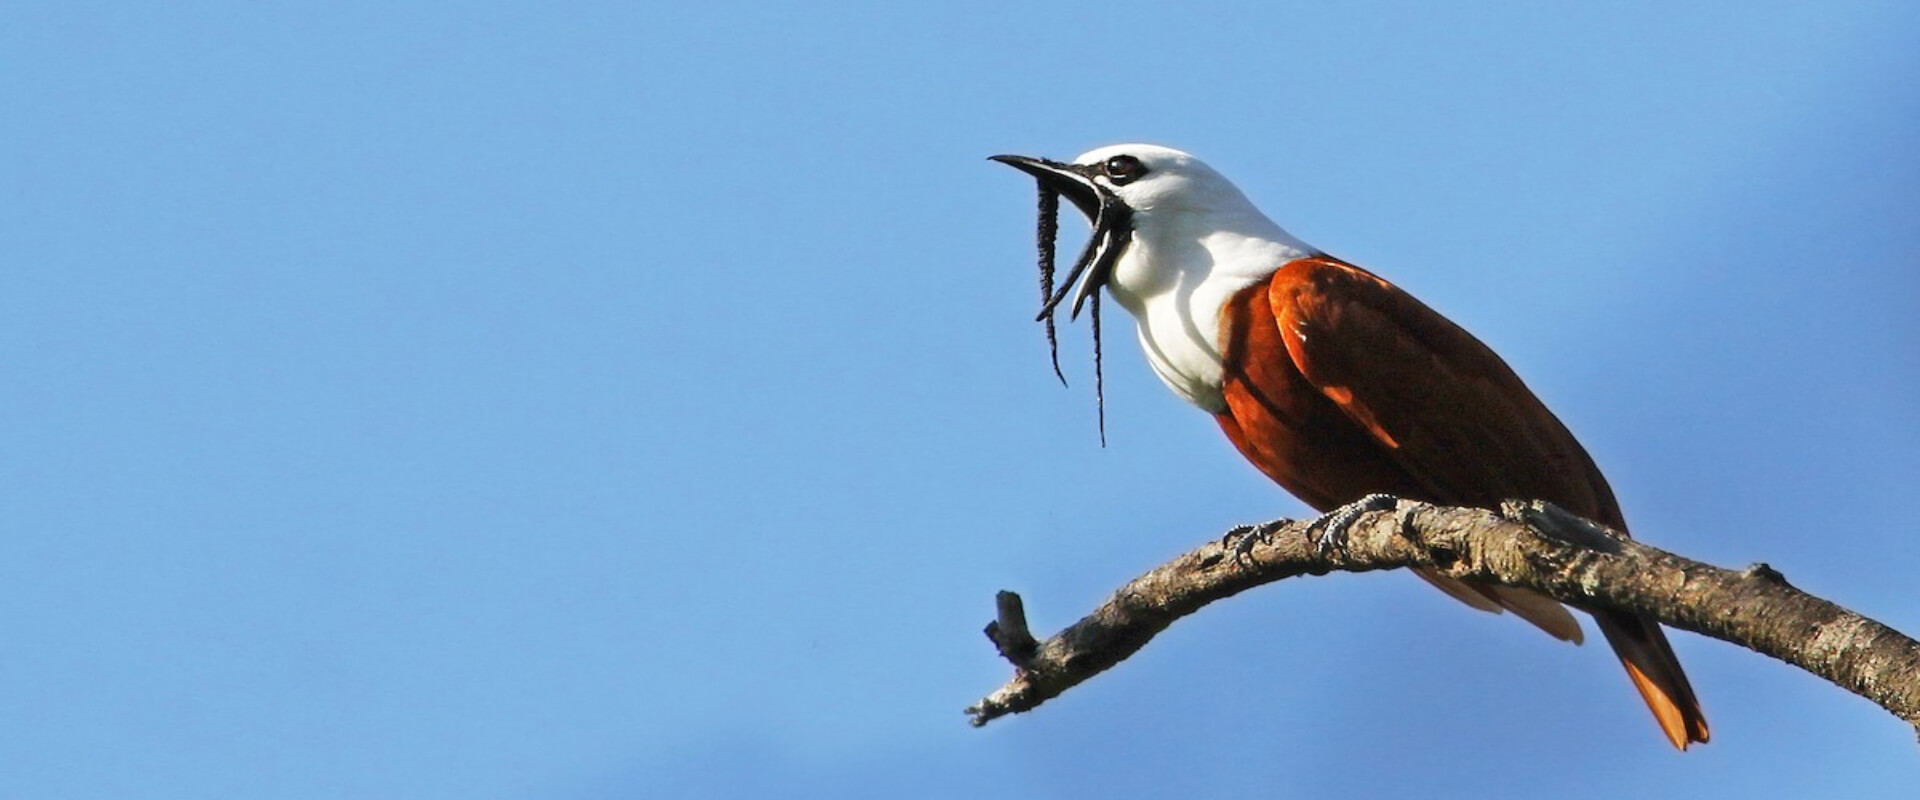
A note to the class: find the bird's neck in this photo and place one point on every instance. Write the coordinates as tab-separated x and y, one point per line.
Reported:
1177	275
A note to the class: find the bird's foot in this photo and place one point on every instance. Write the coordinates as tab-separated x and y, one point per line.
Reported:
1242	538
1329	532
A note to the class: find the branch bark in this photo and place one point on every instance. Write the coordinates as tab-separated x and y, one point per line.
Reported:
1533	545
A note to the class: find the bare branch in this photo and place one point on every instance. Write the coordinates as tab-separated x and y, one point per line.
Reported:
1532	545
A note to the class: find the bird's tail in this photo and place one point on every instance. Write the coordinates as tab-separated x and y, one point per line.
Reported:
1539	609
1650	662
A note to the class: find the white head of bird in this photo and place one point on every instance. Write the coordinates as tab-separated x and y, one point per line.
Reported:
1173	240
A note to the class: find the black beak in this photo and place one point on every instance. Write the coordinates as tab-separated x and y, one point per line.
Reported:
1112	225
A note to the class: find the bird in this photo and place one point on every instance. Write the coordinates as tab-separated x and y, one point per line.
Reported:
1333	382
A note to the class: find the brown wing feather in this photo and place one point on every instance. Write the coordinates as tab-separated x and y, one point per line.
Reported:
1379	393
1452	410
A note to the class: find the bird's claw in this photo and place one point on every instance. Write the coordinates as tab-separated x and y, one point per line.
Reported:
1329	532
1242	539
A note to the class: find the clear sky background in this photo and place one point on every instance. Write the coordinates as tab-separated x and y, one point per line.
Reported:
532	400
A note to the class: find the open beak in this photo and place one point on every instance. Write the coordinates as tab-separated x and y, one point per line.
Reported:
1112	225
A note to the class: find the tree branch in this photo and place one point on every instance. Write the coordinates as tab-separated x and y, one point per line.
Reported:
1532	545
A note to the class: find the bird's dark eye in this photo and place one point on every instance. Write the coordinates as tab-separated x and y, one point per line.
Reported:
1123	170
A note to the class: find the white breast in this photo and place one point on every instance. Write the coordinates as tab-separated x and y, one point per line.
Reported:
1176	282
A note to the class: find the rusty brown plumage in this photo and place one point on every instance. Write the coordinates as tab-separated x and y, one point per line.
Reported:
1338	385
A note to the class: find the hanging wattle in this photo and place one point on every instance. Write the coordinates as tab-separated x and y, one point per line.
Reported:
1333	382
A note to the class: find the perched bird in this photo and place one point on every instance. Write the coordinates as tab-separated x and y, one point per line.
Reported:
1333	382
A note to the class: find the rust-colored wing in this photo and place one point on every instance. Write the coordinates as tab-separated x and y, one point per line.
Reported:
1447	410
1340	384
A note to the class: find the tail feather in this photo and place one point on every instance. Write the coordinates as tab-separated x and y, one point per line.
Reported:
1655	671
1640	644
1544	612
1458	590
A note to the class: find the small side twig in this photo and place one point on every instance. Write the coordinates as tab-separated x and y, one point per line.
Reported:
1009	631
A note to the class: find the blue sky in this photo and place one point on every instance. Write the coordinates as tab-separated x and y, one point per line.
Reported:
612	400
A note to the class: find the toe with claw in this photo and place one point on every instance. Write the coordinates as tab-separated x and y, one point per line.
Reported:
1242	539
1329	532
